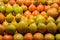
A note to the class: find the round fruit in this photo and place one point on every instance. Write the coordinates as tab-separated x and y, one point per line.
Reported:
27	13
19	2
5	23
35	13
9	18
22	27
35	2
14	23
27	2
17	18
7	37
24	7
2	29
28	36
2	18
43	13
49	2
57	36
10	29
38	36
41	27
40	19
49	36
50	19
55	5
2	8
43	1
52	12
51	27
20	10
32	7
32	28
12	2
9	8
47	7
18	36
40	7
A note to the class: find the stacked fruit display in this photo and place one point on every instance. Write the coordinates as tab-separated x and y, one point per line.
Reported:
29	19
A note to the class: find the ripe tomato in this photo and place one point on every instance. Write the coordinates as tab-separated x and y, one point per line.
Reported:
27	13
40	7
35	12
32	7
55	5
47	7
27	2
12	2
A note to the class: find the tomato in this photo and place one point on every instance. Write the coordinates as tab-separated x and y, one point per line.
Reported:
12	2
44	14
55	5
32	7
7	37
27	13
47	7
35	12
27	2
40	7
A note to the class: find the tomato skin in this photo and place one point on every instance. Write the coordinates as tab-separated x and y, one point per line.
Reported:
47	7
55	5
12	2
7	37
27	2
40	7
32	8
35	13
44	14
27	13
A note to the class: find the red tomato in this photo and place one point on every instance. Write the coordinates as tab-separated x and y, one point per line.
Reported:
27	13
12	2
32	7
35	13
47	7
40	7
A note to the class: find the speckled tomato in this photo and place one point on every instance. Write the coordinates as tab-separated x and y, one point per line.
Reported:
40	7
35	13
32	7
27	13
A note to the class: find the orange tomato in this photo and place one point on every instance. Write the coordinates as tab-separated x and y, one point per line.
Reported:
40	7
27	13
47	7
32	7
35	12
12	2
